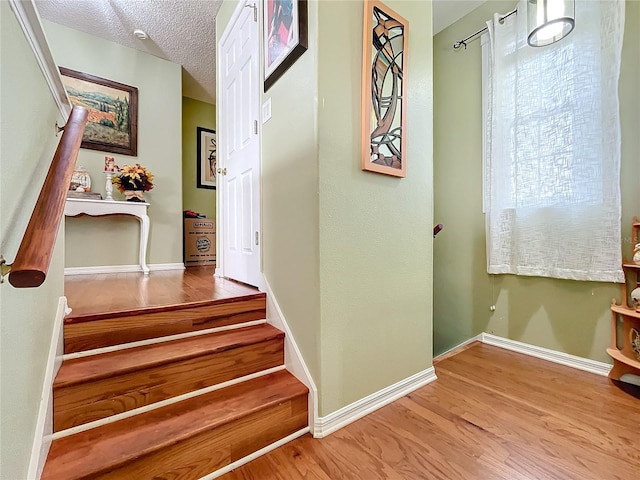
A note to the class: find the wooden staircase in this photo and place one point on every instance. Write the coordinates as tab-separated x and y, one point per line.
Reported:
171	392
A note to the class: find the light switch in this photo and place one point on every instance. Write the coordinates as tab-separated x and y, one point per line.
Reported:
266	110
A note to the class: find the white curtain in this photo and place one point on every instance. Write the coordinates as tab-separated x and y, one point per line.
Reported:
552	147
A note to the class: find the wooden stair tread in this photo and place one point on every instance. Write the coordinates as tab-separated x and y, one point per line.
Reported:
143	324
79	370
89	317
103	448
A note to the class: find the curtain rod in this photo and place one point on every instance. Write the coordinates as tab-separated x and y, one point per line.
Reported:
462	42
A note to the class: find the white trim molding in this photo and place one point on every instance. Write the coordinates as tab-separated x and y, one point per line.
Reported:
293	359
340	418
29	20
585	364
254	455
44	424
121	268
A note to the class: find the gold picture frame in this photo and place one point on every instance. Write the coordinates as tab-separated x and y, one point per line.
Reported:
113	111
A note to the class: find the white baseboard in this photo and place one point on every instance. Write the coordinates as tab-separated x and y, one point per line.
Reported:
154	267
586	364
346	415
254	455
44	424
293	360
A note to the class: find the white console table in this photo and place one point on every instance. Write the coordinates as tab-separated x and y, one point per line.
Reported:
96	208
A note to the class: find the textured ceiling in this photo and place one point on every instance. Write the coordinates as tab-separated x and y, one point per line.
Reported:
181	31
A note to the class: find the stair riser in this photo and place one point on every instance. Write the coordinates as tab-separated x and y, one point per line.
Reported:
86	402
198	456
89	335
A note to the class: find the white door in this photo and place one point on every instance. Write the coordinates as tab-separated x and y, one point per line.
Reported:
239	146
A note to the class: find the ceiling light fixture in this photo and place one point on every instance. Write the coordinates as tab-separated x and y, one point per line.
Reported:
549	21
140	34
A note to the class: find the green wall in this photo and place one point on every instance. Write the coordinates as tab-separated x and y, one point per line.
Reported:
375	230
222	19
27	145
567	316
195	114
347	253
114	240
290	207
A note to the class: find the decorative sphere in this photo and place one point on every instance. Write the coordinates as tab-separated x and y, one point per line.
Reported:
635	299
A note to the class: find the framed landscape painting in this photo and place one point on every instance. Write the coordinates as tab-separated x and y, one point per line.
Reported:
207	158
112	125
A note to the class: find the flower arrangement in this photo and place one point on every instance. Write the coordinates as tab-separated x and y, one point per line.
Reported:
134	177
132	180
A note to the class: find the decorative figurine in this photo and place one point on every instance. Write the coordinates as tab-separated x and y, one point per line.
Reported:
110	168
635	299
80	180
636	254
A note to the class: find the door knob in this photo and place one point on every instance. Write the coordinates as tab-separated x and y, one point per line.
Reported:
222	171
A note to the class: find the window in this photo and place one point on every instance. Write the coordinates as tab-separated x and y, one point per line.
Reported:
552	148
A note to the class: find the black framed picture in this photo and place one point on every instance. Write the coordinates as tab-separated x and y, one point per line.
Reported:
285	36
207	152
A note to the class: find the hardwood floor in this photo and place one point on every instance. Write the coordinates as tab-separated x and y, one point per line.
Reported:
116	292
492	414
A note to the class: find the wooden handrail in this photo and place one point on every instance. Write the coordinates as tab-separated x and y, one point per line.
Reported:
34	254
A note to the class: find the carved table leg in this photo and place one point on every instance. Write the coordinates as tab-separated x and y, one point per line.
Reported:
144	238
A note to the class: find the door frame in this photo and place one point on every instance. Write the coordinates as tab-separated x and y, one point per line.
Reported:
222	141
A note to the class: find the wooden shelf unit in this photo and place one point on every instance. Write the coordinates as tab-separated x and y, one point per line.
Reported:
626	311
617	355
624	319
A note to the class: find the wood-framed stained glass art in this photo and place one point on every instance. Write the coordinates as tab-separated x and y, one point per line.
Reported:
384	90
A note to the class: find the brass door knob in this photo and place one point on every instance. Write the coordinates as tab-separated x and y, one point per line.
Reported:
222	171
